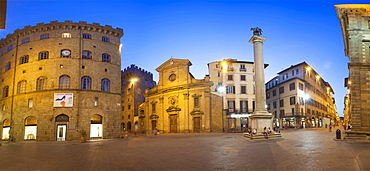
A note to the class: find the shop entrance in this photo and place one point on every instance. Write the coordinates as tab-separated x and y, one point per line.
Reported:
6	129
30	128
61	132
61	122
96	127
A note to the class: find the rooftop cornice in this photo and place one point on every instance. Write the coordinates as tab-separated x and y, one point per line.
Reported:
66	25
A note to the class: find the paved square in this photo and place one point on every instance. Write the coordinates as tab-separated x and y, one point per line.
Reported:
305	149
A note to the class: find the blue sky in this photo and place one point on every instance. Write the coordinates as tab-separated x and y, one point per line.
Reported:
208	30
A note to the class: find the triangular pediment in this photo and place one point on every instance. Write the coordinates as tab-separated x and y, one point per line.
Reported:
173	63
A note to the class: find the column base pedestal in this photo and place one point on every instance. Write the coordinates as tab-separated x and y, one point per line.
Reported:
261	121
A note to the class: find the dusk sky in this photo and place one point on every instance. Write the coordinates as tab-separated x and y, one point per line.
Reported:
207	31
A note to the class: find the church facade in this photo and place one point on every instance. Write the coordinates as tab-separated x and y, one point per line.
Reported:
58	79
179	103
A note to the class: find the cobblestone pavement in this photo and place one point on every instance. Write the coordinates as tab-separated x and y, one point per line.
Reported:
303	149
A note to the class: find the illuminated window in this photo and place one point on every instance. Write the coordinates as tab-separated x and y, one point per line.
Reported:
86	82
86	36
26	40
105	57
23	59
30	103
86	54
43	55
21	87
105	85
64	82
66	35
105	39
44	36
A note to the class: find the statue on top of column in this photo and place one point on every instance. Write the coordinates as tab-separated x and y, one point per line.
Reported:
257	31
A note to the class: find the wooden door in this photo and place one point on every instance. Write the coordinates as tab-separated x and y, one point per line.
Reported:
196	122
173	123
154	124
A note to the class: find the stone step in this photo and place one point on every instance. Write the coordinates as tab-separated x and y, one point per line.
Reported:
262	136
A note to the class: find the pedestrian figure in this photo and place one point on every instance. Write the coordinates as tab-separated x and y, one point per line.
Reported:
254	131
269	130
330	128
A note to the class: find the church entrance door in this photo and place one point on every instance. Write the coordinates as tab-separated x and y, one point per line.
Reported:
173	123
196	124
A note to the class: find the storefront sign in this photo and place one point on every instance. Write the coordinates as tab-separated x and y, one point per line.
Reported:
63	99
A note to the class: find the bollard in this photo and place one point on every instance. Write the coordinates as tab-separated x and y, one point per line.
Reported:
338	134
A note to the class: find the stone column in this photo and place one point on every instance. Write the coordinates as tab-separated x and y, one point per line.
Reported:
260	117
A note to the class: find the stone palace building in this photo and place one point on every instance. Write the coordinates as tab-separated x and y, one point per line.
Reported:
355	24
60	78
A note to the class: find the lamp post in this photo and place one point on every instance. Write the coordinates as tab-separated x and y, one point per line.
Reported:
133	80
305	97
223	89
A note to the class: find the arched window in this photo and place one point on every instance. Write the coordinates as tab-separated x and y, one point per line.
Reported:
44	36
105	85
86	36
86	82
21	87
105	57
23	59
105	39
64	82
43	55
7	66
6	91
86	54
30	128
40	83
10	47
25	40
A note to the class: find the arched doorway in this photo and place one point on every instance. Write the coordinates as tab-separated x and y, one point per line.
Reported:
6	129
96	127
61	126
30	128
122	126
129	126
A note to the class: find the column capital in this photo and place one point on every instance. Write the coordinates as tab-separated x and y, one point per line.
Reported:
256	38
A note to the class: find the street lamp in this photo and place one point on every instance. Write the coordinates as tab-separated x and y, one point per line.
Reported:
133	80
223	90
304	97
